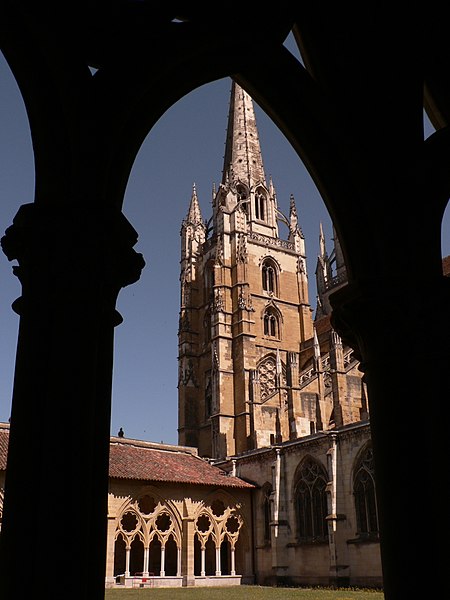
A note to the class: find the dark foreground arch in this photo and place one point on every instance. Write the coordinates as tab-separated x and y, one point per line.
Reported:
354	115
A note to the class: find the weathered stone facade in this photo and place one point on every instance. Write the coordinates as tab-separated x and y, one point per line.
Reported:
268	390
344	549
254	368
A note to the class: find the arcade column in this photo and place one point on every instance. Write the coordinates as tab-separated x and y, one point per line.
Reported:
72	263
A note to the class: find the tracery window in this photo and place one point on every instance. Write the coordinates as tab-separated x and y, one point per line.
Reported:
365	495
269	277
311	502
146	527
267	377
216	526
271	323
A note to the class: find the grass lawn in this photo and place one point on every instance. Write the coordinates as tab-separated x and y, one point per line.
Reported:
244	592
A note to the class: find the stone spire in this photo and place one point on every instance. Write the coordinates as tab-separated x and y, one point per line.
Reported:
194	216
242	160
193	232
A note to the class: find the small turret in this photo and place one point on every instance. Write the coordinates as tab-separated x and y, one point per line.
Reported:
330	273
193	228
193	235
295	233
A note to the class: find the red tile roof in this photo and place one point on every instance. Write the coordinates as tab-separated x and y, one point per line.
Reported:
4	439
446	266
131	459
145	461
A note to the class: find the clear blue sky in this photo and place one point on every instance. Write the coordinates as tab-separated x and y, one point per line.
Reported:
185	147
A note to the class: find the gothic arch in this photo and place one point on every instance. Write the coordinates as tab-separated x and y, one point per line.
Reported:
321	115
364	492
271	258
129	523
270	275
260	203
243	194
265	510
161	520
272	321
157	522
218	520
311	500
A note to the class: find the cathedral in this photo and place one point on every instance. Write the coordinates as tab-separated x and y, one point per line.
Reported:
272	482
267	390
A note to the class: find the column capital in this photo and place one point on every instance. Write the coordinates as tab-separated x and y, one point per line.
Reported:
376	316
68	249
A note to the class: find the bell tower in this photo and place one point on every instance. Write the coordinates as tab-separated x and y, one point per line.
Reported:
245	316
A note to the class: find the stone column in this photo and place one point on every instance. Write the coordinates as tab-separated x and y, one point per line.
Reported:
187	562
202	571
110	552
337	538
127	561
390	326
146	561
218	565
72	264
178	562
163	561
233	561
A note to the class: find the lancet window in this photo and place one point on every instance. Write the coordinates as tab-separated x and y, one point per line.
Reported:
365	495
269	275
260	206
311	502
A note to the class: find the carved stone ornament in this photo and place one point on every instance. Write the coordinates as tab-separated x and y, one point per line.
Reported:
187	376
218	300
301	267
219	252
71	248
241	250
215	358
245	301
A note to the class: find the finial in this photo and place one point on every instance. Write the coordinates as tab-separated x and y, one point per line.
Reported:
323	249
316	345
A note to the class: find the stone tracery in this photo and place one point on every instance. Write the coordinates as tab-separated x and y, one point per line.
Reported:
146	526
149	538
218	526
